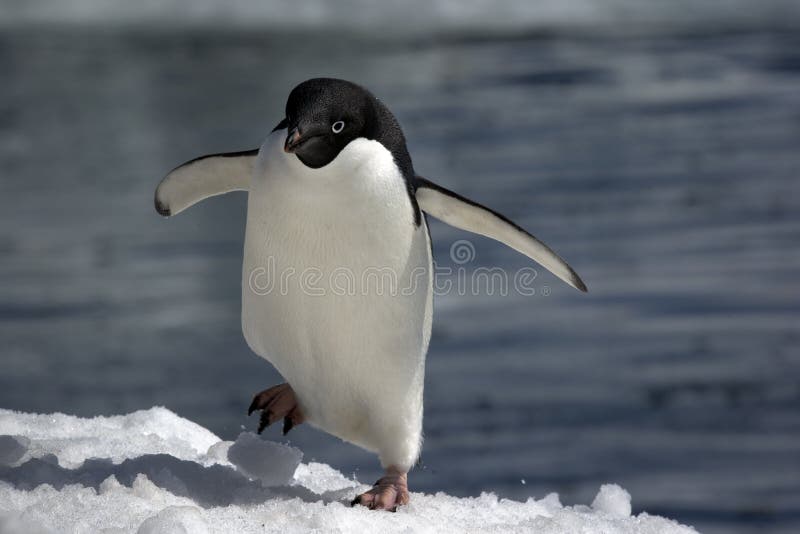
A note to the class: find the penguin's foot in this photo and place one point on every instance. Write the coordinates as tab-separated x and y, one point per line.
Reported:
388	493
277	402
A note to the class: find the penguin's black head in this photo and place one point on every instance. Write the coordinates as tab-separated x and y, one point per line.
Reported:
323	115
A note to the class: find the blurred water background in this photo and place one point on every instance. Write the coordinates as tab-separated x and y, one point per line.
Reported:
654	145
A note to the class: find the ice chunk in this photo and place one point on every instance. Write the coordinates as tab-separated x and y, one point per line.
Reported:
271	463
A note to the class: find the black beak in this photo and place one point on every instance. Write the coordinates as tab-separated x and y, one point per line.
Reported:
293	139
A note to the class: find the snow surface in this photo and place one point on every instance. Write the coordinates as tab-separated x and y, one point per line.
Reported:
154	472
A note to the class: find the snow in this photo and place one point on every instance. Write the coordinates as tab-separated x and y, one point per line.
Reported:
613	500
154	472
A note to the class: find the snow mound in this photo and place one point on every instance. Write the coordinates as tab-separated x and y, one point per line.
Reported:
154	472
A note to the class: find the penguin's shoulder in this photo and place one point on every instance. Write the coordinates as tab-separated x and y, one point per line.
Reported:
388	133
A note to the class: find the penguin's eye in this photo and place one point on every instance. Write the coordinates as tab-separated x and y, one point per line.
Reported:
338	126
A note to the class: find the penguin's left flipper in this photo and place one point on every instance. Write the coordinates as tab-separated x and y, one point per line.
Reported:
204	177
467	215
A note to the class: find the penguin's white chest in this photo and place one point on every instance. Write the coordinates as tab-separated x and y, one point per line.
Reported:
336	289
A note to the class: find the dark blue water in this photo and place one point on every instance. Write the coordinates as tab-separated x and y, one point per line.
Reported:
665	169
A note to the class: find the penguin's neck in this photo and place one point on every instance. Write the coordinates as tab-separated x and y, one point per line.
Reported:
353	210
362	181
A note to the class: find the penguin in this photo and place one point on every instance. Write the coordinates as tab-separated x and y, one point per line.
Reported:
337	273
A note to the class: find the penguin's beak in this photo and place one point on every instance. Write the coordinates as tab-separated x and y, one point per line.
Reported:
293	139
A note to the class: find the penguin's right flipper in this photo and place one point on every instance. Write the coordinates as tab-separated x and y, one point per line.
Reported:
204	177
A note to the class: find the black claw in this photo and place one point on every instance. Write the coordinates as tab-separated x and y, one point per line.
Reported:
256	404
264	422
355	501
288	424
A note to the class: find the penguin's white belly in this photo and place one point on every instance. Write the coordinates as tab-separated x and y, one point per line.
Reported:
337	293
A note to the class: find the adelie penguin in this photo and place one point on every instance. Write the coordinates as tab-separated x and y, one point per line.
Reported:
334	204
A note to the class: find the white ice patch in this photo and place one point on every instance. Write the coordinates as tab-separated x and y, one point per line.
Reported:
153	471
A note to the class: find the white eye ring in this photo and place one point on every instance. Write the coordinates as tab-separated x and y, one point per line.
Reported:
338	126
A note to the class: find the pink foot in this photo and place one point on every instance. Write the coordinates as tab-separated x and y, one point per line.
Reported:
388	493
277	402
